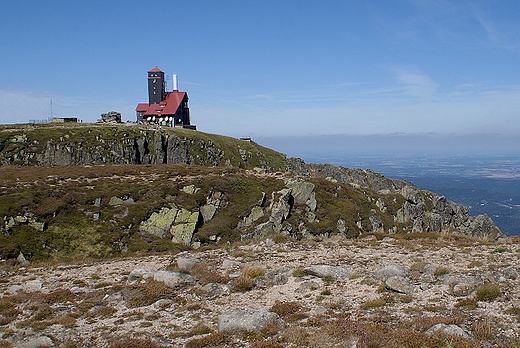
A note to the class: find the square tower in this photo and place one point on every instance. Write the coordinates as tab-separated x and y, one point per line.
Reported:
156	86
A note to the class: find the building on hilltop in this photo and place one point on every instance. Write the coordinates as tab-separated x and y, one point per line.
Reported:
164	108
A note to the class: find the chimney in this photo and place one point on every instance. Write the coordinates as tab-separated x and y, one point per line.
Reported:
175	83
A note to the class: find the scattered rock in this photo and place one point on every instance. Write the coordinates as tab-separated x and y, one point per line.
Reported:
186	264
216	289
450	279
279	276
43	341
169	278
336	272
29	286
399	284
452	330
172	279
306	286
115	201
237	321
391	271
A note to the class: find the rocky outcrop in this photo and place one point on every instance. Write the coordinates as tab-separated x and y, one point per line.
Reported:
443	216
111	142
358	177
111	117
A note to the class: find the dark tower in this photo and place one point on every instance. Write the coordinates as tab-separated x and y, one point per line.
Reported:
156	86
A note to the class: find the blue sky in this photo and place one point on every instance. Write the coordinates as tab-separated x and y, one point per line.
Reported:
271	68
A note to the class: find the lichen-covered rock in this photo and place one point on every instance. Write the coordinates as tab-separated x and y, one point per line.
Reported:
158	224
208	212
190	189
377	223
255	214
115	201
183	233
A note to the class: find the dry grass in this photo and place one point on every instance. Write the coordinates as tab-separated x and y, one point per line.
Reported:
246	280
243	284
205	275
467	303
135	343
483	330
488	292
145	294
253	272
216	339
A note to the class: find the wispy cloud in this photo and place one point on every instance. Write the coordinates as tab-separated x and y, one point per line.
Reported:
496	36
414	82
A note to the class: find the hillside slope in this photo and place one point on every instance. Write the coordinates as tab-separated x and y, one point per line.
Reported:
78	190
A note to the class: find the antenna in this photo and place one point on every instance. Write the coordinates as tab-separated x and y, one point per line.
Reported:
52	115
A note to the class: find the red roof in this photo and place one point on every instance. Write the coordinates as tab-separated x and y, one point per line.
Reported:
168	106
142	107
156	69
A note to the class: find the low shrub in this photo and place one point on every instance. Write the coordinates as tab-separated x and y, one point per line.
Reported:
283	309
